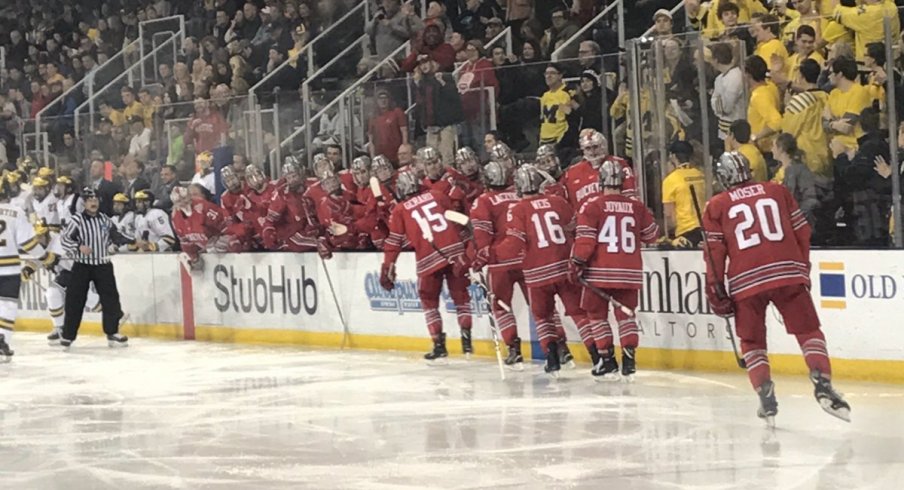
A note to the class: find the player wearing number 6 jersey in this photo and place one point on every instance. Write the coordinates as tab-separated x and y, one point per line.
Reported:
762	234
607	256
439	252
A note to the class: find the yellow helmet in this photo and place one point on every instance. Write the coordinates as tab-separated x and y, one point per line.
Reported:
204	159
46	172
65	180
141	195
41	227
14	177
120	197
25	164
39	182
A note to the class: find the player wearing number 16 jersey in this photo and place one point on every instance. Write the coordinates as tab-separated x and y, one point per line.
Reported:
439	252
607	255
765	238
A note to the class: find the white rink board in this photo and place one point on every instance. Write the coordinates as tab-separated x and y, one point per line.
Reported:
673	313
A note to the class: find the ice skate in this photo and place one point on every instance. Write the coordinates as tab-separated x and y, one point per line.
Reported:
828	398
117	340
439	354
594	354
6	354
552	361
65	344
606	369
768	405
628	364
515	361
466	347
54	338
565	356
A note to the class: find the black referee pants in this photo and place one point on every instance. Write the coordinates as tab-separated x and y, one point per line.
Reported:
77	296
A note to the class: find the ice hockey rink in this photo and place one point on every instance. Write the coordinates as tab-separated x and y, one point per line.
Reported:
165	414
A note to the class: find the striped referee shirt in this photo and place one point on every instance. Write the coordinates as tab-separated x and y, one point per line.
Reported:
97	232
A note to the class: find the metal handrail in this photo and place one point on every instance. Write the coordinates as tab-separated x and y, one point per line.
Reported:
618	4
126	73
674	11
308	50
161	20
506	33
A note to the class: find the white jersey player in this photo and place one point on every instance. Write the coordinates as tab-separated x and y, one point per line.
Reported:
153	228
20	194
124	219
45	204
16	236
64	190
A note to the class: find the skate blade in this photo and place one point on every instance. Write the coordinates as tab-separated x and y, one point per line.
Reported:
518	366
6	359
117	345
607	378
841	413
441	361
769	420
53	343
468	356
627	378
553	374
569	365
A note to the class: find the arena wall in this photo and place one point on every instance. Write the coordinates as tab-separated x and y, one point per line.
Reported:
286	299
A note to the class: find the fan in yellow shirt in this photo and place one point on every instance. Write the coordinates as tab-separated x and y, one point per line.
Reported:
555	105
764	107
803	119
868	22
680	217
745	9
765	29
846	101
738	139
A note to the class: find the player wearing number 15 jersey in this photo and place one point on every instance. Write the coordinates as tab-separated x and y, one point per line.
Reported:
439	252
607	256
765	238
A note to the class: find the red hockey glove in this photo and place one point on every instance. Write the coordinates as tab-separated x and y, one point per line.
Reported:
387	276
481	258
719	300
323	248
576	270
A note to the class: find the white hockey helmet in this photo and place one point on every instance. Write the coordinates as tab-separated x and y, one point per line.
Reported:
733	169
528	180
495	174
612	174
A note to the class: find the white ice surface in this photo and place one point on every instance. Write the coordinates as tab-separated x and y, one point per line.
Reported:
196	415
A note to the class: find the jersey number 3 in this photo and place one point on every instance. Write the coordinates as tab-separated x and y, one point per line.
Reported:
767	216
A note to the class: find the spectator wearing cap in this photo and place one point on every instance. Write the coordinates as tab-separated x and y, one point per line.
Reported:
439	110
729	102
555	106
494	27
662	23
738	140
803	118
391	26
475	77
588	100
388	128
764	108
765	29
678	200
561	31
846	101
430	42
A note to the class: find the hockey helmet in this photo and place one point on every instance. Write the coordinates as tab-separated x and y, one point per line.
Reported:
143	200
427	153
120	197
495	174
25	165
733	169
204	161
5	190
594	146
46	173
407	185
528	180
360	170
466	161
321	165
120	202
548	160
39	182
612	174
89	193
180	197
255	177
230	179
15	177
382	168
330	183
293	175
500	151
63	187
40	187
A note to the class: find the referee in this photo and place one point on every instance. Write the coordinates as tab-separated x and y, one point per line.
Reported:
86	240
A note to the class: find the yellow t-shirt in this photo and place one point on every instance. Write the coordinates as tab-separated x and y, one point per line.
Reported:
795	60
803	120
757	163
763	111
770	48
746	8
117	118
867	22
676	190
553	123
135	109
850	104
779	177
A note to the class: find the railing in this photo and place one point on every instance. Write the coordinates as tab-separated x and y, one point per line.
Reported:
158	28
673	11
578	36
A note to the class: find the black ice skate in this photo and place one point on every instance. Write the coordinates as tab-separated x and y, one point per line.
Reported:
606	369
6	354
552	361
65	344
54	338
117	340
828	398
628	363
466	348
439	353
565	357
594	355
768	405
515	360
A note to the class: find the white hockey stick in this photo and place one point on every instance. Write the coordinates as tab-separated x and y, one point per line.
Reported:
375	188
338	229
491	298
456	217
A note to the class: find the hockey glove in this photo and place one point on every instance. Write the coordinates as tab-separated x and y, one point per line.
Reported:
28	270
719	300
387	276
576	270
481	258
323	248
682	242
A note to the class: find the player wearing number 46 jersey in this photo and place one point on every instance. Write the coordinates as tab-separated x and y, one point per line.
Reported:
607	256
760	231
439	252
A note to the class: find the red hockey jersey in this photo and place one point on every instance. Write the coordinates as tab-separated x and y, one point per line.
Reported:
205	221
539	229
448	185
313	190
489	217
256	213
376	214
411	219
581	181
610	229
340	209
471	187
759	228
290	223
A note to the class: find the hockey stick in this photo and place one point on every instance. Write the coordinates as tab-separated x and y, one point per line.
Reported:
720	288
375	188
491	298
606	297
329	281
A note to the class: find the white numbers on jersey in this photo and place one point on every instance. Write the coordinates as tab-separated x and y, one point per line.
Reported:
618	232
2	232
767	216
429	220
554	230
